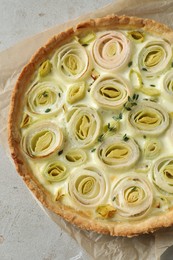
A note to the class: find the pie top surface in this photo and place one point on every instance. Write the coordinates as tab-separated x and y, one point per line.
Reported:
90	126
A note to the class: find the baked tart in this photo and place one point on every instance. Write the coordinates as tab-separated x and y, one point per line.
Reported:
90	125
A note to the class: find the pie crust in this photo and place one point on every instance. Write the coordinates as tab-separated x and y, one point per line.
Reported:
80	218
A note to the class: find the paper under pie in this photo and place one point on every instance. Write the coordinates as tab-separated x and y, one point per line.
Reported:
90	125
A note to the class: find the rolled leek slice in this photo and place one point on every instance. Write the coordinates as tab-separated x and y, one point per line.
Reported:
152	148
72	61
87	38
118	154
150	91
45	68
75	157
136	81
42	139
112	51
88	187
132	196
162	175
154	58
26	121
149	118
111	91
55	172
76	92
168	84
106	211
136	36
84	126
44	99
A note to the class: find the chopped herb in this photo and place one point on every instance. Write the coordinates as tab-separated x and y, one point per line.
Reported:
130	64
135	97
144	136
47	110
172	64
152	85
45	94
125	138
60	152
113	198
130	103
111	128
89	90
59	94
85	44
35	84
119	117
127	108
161	198
136	179
153	100
145	99
134	188
100	138
144	69
129	99
93	150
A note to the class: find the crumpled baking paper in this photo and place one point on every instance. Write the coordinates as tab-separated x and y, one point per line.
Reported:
95	246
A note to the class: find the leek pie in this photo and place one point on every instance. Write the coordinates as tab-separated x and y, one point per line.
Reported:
90	125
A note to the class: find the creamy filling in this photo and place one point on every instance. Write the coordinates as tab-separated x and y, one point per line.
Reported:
107	116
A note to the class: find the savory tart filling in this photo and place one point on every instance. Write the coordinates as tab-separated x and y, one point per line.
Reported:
96	127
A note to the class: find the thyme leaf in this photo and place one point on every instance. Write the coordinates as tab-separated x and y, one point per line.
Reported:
47	110
60	152
125	138
100	138
119	117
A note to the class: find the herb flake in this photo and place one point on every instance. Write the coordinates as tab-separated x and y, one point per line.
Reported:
130	63
45	94
111	128
135	97
125	138
47	110
100	138
118	117
131	102
60	152
93	150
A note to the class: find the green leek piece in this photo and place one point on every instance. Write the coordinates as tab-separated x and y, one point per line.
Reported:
45	68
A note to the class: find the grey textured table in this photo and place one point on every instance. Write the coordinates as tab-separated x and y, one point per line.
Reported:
26	233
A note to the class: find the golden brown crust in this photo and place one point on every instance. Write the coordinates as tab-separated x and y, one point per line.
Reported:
78	218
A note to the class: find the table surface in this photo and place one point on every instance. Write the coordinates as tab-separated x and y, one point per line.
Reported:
25	231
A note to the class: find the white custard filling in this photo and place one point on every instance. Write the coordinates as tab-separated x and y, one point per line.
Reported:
100	127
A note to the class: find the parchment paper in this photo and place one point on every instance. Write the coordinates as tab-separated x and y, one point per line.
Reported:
13	59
